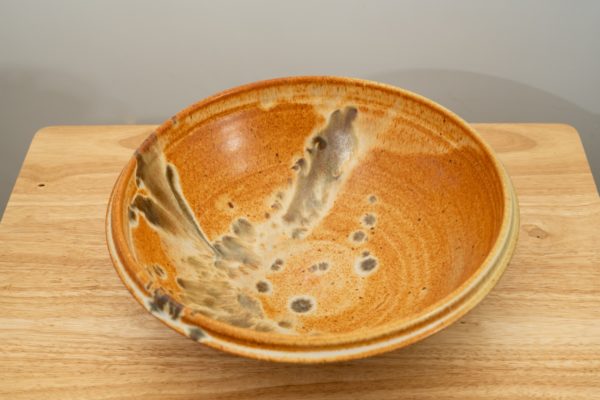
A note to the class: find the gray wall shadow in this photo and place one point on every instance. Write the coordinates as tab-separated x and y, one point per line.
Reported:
32	99
485	98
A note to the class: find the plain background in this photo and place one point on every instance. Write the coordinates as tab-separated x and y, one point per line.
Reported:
114	62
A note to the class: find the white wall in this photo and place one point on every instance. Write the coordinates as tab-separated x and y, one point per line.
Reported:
84	62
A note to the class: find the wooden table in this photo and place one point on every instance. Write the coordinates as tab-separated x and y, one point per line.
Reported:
70	330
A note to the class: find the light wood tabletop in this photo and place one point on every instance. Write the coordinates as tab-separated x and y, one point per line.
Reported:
70	330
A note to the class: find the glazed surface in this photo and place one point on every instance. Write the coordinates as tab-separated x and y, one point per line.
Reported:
309	210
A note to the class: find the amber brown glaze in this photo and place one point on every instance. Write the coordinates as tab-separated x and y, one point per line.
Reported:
312	214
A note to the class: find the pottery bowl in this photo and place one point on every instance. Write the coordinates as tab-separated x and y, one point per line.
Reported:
311	219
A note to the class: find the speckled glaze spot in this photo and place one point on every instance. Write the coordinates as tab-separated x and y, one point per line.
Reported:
366	265
358	236
369	220
302	305
285	324
244	229
319	267
277	264
263	286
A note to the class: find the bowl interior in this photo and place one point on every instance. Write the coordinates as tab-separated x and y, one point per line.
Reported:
308	208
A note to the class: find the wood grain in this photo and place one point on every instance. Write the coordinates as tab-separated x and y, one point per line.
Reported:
69	328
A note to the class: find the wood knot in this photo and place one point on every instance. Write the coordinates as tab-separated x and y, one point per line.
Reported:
535	231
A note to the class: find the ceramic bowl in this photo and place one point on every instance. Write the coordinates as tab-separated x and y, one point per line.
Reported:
312	219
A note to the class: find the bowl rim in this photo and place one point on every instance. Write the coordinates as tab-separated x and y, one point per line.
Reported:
489	267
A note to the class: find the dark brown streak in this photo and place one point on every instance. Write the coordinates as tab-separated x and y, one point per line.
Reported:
331	149
184	207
